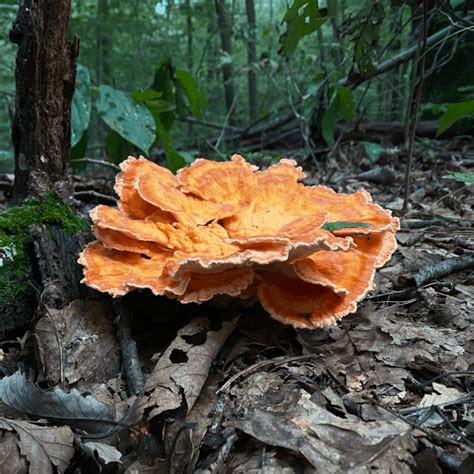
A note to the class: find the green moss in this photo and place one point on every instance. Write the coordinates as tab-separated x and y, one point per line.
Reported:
15	234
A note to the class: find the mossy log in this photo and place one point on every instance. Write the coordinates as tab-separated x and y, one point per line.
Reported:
40	242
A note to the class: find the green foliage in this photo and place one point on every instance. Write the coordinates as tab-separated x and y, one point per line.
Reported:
15	234
342	105
333	226
195	97
466	178
81	105
302	18
140	118
455	113
130	119
6	161
364	29
373	150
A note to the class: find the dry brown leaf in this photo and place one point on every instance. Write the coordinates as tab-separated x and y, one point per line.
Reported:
80	340
46	448
181	371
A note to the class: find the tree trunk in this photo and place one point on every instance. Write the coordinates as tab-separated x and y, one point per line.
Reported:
189	31
251	59
227	69
45	80
103	71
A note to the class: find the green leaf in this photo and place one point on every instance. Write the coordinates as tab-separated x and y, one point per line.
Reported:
7	162
149	94
130	119
159	106
79	151
342	105
346	103
117	147
454	113
364	28
191	89
373	150
333	226
466	178
81	104
175	160
302	18
328	122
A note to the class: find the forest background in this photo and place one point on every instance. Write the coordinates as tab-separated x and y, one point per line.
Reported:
180	79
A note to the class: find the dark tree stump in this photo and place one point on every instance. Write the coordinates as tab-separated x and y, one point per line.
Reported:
56	254
45	81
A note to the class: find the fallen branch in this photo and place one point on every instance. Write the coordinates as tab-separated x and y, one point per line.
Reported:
402	57
422	223
90	196
379	175
97	162
130	359
440	269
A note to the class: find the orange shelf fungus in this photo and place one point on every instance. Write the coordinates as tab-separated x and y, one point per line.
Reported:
308	254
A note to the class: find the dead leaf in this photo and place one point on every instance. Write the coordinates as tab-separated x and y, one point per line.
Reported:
85	413
45	447
442	394
79	340
11	460
181	371
330	443
104	453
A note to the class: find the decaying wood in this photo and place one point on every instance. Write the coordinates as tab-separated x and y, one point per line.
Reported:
379	175
128	346
45	81
421	223
56	253
440	269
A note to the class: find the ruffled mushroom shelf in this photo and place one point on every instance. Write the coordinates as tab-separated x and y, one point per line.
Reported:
224	228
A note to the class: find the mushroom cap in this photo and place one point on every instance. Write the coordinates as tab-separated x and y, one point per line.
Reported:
226	228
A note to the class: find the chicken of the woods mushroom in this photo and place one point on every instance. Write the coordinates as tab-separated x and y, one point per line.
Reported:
308	254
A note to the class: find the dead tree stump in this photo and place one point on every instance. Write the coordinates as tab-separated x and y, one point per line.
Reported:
45	81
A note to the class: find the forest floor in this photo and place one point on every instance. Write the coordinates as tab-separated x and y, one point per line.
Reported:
228	389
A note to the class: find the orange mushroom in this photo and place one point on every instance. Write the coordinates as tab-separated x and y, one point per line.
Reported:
308	253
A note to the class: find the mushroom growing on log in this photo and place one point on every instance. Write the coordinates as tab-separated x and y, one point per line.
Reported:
308	254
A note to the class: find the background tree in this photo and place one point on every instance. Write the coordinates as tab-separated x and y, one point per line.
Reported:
225	30
251	59
45	79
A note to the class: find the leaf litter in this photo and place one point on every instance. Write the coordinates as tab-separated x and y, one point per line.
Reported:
228	389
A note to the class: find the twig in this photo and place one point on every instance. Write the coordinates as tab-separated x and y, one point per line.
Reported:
263	363
206	123
440	269
224	125
422	223
422	429
224	452
379	175
419	89
130	360
462	373
88	196
97	162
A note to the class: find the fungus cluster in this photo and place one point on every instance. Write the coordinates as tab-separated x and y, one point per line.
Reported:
225	228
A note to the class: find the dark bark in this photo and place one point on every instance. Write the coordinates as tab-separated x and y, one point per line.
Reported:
251	59
128	346
433	271
45	80
189	34
56	255
104	42
227	69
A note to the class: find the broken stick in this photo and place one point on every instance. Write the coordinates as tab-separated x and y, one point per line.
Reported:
430	272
